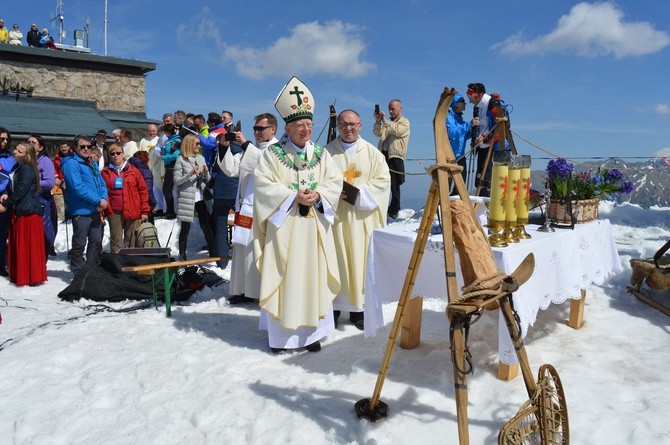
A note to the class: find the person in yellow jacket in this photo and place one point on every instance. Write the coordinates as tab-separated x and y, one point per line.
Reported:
393	140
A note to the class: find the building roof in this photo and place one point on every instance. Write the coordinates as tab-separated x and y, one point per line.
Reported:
124	119
93	62
51	118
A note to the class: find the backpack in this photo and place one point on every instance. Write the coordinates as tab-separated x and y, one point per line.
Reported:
498	108
146	235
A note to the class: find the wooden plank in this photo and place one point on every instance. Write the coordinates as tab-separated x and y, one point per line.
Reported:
576	320
149	267
507	372
410	336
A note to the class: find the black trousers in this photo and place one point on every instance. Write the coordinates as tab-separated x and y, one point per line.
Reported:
485	181
168	184
397	167
204	221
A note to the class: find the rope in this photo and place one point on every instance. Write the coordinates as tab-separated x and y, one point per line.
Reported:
488	285
450	167
574	161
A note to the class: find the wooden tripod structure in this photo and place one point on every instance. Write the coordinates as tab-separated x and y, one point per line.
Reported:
501	133
459	310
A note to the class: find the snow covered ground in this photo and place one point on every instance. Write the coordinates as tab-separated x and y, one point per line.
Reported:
77	373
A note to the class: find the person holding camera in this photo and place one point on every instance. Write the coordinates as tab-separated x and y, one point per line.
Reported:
393	140
244	279
191	176
208	143
224	191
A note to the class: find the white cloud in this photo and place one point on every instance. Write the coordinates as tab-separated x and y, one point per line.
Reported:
662	108
596	29
334	48
663	153
310	48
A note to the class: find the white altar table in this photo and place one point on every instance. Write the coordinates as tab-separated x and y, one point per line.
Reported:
566	262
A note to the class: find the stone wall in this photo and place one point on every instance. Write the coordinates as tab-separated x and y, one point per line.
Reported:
111	91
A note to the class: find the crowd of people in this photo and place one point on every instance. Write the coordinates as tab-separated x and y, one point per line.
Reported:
34	37
304	213
479	130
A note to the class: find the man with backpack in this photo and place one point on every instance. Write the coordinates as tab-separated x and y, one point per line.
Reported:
483	121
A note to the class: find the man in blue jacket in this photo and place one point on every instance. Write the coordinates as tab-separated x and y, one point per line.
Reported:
86	197
459	131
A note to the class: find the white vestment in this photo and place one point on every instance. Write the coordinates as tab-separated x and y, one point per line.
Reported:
296	255
244	277
158	172
363	166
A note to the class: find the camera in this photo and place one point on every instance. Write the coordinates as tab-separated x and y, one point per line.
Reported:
230	137
377	108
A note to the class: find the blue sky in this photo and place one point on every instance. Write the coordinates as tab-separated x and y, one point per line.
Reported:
584	78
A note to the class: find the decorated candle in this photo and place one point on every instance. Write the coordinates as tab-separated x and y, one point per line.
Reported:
498	192
512	191
523	202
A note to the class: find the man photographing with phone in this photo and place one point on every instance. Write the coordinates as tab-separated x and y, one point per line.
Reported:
393	139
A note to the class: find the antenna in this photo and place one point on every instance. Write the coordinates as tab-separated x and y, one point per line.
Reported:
105	31
87	29
58	16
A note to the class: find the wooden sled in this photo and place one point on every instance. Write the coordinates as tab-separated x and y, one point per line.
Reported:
655	273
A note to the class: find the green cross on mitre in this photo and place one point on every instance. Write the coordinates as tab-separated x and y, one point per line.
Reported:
297	93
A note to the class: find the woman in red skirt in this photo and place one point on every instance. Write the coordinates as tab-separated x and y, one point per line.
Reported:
26	256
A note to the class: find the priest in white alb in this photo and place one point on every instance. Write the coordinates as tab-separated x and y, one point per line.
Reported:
362	209
297	190
245	281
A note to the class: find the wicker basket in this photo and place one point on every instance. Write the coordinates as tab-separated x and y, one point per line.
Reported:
584	210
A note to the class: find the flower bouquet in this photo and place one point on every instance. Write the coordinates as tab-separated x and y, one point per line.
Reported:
583	189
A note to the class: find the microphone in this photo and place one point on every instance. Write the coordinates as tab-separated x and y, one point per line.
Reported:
475	128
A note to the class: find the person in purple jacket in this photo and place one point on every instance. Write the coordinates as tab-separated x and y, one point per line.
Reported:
7	162
140	160
47	178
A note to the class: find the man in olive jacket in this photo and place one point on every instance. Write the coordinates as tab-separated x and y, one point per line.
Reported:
393	139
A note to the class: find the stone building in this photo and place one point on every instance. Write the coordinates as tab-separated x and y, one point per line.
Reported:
59	94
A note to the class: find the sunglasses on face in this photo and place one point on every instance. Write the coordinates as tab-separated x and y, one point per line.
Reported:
84	146
115	153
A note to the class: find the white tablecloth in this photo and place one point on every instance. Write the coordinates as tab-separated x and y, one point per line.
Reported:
566	261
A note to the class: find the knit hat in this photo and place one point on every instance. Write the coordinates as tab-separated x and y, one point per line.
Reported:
295	101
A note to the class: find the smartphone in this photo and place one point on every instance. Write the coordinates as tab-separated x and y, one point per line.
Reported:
377	108
230	137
